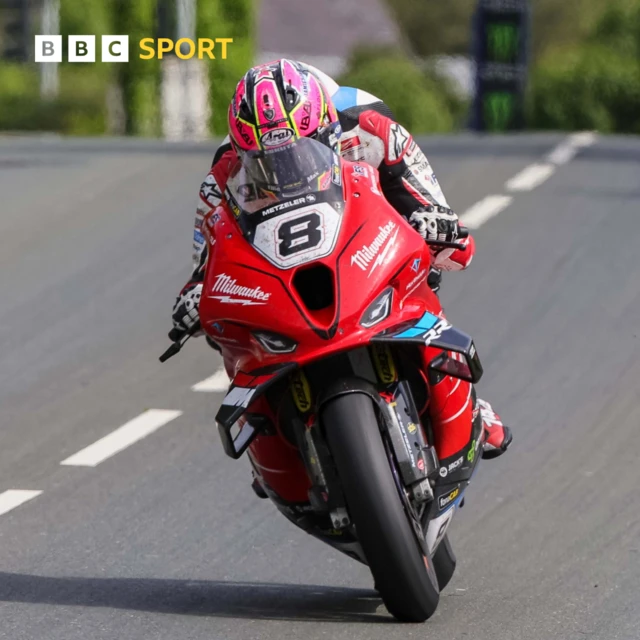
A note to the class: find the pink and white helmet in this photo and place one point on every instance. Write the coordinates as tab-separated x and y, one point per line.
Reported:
278	103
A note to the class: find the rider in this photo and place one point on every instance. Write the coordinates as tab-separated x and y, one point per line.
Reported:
295	96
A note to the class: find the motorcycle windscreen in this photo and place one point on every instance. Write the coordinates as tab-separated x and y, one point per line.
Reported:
289	201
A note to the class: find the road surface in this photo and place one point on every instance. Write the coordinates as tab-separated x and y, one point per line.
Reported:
165	539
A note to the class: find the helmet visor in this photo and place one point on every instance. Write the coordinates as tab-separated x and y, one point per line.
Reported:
290	170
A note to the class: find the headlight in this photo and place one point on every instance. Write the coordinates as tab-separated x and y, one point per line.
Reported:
275	343
378	310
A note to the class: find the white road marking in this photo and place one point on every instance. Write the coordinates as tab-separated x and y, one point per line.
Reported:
123	437
567	150
14	498
484	210
563	154
584	138
531	177
218	382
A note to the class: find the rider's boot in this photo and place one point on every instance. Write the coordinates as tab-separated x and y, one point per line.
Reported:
497	437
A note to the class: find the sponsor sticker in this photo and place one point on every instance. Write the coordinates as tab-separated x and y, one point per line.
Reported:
277	137
349	143
351	148
471	456
378	250
234	293
445	471
383	361
452	467
283	206
336	175
416	281
301	392
435	332
446	500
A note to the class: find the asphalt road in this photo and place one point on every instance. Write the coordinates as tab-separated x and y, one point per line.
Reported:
166	540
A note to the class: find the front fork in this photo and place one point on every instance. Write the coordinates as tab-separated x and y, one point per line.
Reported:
419	470
416	458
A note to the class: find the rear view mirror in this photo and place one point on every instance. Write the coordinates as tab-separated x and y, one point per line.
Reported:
468	369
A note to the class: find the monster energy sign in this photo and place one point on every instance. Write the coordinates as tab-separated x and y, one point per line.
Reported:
501	43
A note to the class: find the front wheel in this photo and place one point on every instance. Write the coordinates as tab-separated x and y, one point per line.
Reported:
388	540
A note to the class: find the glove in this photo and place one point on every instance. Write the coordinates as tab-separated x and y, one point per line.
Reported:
435	223
186	310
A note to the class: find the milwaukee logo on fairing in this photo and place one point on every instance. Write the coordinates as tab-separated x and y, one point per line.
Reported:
229	286
368	253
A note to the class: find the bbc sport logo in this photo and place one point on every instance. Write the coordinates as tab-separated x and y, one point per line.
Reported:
115	48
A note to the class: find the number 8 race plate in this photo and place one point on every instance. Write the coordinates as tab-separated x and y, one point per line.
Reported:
299	236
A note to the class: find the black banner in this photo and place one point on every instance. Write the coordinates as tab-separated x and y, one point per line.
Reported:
15	30
501	50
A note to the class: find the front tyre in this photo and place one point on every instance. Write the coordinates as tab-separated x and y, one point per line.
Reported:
382	525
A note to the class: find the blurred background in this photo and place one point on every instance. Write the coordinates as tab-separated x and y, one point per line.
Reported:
558	65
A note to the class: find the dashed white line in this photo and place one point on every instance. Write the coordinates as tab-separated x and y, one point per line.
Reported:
583	138
13	498
218	382
531	177
484	210
563	153
123	437
567	150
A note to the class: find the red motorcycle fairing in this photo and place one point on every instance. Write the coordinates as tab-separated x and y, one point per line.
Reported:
244	293
376	248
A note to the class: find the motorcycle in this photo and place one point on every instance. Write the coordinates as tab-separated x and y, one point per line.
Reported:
316	295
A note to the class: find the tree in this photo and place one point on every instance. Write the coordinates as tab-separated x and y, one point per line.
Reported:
227	19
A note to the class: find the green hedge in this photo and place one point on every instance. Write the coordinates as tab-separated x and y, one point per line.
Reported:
80	108
591	88
420	102
596	85
618	28
227	19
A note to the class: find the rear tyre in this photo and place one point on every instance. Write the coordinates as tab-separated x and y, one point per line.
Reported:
388	540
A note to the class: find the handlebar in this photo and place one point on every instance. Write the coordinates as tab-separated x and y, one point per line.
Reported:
463	233
179	339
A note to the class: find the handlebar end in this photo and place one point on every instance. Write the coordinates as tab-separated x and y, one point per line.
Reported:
170	352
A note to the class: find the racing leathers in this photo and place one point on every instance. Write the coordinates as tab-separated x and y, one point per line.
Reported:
370	135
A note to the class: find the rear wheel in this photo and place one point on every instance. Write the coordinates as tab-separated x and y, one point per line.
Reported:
399	568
